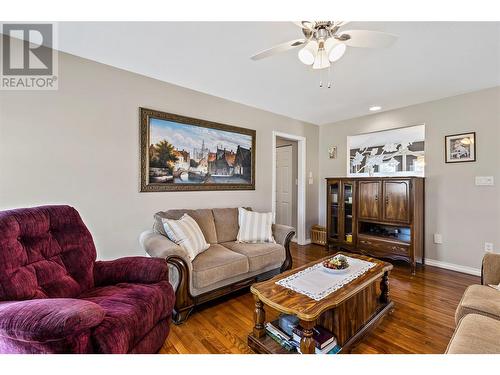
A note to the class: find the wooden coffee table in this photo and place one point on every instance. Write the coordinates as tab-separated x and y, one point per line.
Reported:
349	313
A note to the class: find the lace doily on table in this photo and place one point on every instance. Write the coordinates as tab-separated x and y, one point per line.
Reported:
317	283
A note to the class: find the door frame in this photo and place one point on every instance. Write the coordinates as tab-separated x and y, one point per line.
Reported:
301	177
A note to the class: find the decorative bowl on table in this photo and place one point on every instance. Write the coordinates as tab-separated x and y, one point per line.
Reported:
337	264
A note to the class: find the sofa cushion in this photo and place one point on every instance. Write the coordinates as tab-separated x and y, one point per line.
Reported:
226	224
216	264
479	299
203	217
475	334
45	252
132	310
260	255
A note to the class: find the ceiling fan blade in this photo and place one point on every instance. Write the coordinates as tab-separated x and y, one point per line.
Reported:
367	38
279	48
342	23
308	25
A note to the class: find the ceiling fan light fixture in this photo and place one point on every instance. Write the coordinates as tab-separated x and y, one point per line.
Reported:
337	52
321	61
330	43
308	54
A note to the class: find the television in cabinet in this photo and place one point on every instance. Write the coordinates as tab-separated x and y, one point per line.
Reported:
387	217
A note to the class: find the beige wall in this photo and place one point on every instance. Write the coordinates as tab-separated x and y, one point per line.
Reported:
79	145
466	215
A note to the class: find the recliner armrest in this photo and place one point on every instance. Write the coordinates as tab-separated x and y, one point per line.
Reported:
51	319
490	273
140	270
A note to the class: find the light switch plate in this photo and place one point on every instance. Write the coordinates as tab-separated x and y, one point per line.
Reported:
485	181
438	238
488	247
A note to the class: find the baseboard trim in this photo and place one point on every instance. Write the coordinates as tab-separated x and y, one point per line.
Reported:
453	267
306	242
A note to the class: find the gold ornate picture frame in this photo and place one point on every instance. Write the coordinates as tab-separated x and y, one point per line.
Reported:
180	153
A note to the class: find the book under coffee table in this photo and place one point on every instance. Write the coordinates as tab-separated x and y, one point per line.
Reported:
349	312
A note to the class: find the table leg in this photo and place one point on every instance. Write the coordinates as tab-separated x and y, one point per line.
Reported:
384	288
259	316
307	342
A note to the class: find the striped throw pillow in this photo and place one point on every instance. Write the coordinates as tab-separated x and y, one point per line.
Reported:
186	233
255	227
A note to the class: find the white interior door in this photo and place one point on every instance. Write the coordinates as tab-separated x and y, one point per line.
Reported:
284	185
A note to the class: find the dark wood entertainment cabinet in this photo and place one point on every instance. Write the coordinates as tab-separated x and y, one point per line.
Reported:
378	216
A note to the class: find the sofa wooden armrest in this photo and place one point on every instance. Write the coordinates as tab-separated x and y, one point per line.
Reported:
283	235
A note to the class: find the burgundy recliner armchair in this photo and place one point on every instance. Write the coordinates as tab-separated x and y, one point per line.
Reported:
56	298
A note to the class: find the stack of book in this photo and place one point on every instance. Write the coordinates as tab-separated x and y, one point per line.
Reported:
273	330
324	340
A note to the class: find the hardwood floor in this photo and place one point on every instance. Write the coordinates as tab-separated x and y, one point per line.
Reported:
422	321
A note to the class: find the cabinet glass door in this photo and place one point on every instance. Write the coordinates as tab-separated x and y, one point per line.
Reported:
334	192
347	196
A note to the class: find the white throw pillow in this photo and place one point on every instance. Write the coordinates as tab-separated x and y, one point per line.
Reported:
255	227
186	233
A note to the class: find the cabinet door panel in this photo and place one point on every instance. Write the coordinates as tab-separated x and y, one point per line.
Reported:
397	201
369	193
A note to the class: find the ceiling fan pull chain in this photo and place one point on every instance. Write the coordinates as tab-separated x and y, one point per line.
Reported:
329	79
321	79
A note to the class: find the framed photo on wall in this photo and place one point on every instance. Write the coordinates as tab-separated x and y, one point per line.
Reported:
181	153
460	148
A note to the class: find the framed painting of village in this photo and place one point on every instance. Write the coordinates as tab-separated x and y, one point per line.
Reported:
180	153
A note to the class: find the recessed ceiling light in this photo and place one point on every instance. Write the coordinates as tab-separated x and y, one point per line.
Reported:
374	108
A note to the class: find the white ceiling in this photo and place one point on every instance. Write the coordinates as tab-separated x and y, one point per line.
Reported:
430	60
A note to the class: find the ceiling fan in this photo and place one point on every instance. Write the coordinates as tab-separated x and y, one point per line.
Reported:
324	43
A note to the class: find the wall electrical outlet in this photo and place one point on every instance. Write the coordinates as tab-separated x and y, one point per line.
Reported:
438	238
488	247
485	181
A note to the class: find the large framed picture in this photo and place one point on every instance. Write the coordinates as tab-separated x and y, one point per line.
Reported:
460	148
180	153
393	152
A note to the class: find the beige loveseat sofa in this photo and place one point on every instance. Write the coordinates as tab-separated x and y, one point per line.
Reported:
226	266
478	314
